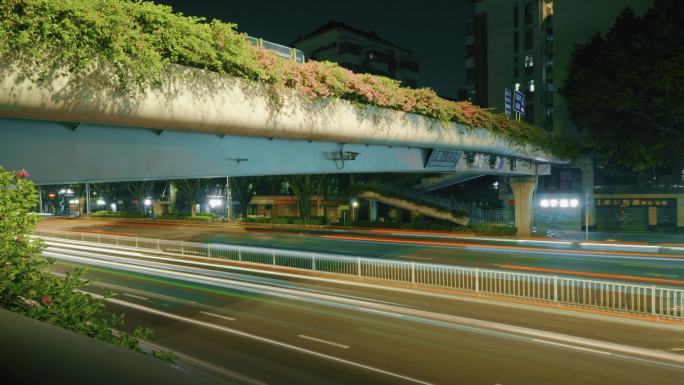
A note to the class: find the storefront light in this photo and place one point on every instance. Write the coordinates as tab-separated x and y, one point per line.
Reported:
544	203
574	202
564	203
553	202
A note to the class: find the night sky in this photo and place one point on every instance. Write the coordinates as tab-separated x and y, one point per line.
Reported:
433	29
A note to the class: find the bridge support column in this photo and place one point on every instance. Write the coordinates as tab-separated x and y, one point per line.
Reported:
523	189
373	210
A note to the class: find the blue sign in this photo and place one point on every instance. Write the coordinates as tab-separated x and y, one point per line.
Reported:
519	102
508	102
443	158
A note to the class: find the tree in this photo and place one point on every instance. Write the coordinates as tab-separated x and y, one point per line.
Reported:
244	189
27	287
626	89
304	186
140	191
192	191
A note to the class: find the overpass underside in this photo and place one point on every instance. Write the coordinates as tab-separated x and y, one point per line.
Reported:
57	152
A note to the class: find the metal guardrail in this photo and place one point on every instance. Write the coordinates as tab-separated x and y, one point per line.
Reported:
283	51
656	301
548	225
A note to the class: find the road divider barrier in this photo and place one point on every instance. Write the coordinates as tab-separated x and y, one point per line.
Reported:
649	300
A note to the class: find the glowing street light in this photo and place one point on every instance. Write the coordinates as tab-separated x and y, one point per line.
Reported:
147	202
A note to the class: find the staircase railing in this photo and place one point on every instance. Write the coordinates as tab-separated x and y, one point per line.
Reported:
475	213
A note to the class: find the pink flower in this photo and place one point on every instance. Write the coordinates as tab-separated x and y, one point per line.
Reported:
22	174
46	300
18	239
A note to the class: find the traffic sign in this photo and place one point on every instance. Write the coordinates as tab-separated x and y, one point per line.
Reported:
508	102
519	102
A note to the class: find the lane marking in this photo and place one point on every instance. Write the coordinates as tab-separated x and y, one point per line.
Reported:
480	326
323	341
616	277
135	296
218	316
596	253
572	347
411	257
263	339
385	313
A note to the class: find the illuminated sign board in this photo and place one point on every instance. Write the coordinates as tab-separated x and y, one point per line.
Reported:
443	159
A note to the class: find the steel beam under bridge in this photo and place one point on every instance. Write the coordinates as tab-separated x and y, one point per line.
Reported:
67	153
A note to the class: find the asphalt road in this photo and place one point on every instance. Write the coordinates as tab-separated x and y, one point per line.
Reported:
274	329
642	264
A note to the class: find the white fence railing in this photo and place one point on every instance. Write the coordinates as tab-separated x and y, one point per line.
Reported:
657	301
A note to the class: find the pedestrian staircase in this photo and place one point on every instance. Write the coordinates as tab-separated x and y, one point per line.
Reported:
433	205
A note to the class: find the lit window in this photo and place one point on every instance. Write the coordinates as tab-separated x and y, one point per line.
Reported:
530	85
517	86
529	60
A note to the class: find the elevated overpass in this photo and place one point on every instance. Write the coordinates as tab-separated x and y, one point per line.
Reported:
199	124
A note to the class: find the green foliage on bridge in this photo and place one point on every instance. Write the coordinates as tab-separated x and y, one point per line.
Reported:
27	287
139	39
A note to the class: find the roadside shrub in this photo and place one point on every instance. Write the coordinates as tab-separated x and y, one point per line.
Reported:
491	229
28	288
118	214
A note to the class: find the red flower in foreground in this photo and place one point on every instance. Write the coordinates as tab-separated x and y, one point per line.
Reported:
46	300
23	174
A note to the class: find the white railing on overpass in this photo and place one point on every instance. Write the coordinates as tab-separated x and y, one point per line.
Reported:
651	300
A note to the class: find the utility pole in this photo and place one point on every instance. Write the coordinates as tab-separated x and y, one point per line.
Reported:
40	199
586	215
87	186
228	198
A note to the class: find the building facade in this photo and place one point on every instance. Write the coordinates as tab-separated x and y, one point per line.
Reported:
527	45
360	51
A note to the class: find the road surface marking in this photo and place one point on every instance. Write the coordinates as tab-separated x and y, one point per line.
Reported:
135	296
262	339
217	316
410	257
448	320
339	251
386	313
571	346
323	341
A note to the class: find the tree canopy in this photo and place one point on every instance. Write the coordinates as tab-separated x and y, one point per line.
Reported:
626	88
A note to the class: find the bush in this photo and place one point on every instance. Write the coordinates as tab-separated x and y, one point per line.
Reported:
138	40
491	229
27	287
118	214
203	217
287	220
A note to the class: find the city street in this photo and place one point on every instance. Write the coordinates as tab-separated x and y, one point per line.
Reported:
636	263
265	328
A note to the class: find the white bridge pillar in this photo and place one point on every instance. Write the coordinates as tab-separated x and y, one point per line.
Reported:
523	190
